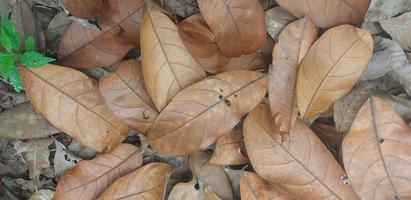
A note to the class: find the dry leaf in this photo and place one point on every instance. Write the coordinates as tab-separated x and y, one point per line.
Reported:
63	159
235	176
238	25
403	76
300	164
377	152
168	67
186	191
85	47
42	195
23	18
183	8
22	122
255	188
205	111
381	9
148	182
210	194
9	162
71	102
294	42
213	176
401	105
56	29
227	150
81	151
399	29
125	14
330	137
331	68
276	19
89	178
328	13
89	9
126	95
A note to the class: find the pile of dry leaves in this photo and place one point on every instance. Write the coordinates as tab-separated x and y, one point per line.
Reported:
210	99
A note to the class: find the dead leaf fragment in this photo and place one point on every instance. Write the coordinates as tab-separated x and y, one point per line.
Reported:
89	9
186	191
42	195
71	102
381	10
376	151
56	29
276	19
294	42
227	150
300	164
148	182
23	18
126	95
205	111
168	67
89	178
399	29
238	25
63	159
183	8
331	68
330	137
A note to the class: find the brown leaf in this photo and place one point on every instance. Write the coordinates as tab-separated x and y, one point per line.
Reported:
89	178
63	159
276	19
331	68
377	152
56	29
85	47
22	122
126	95
125	14
399	29
89	9
328	13
186	191
255	188
205	111
294	42
148	182
300	164
401	105
227	150
23	19
71	102
213	176
200	41
168	67
183	8
238	25
330	137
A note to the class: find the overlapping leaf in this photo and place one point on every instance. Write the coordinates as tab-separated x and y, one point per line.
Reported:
168	67
205	111
89	9
331	68
89	179
238	25
227	150
126	95
72	103
377	152
148	182
294	42
300	164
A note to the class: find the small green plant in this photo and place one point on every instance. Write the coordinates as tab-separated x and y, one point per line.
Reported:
10	40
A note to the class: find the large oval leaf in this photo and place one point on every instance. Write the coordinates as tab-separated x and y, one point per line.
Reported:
331	68
377	153
328	13
203	112
89	178
72	103
89	9
168	67
300	164
126	95
238	25
148	182
293	43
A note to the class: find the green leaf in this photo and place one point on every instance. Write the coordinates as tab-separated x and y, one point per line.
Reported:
33	59
10	30
7	62
5	40
15	79
29	44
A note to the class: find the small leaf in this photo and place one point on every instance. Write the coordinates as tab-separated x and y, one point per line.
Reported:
10	30
6	61
34	59
14	78
29	44
5	40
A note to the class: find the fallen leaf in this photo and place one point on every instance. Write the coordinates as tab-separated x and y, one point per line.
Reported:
276	19
89	178
42	195
186	191
56	29
89	9
210	194
81	151
398	28
376	151
401	105
235	176
211	175
255	188
267	4
205	111
22	122
294	42
126	95
72	103
23	18
227	150
168	67
328	13
9	163
403	76
63	159
85	47
300	164
329	136
238	25
148	182
326	74
183	8
380	9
